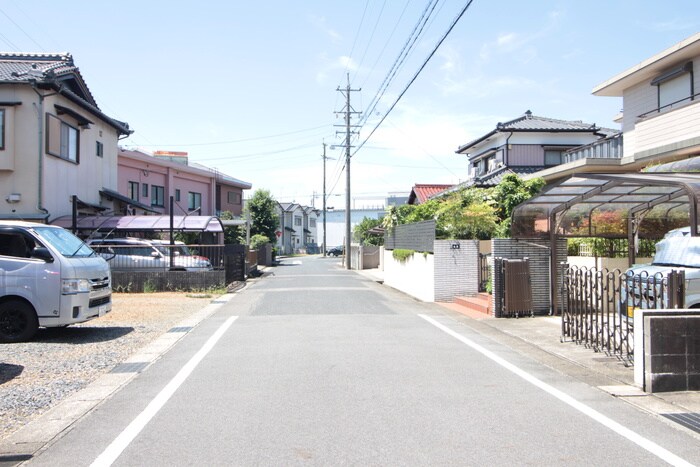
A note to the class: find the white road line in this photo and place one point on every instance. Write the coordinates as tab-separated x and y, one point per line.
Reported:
125	438
636	438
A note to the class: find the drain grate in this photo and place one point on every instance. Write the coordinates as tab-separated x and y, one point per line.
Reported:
134	367
181	329
688	420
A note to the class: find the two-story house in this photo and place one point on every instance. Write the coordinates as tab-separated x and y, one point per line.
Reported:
525	145
298	227
153	179
660	118
57	148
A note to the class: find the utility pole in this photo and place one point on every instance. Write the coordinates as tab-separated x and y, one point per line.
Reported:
348	111
324	199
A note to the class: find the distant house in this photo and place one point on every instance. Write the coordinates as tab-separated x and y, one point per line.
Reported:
420	193
525	145
57	148
298	227
151	180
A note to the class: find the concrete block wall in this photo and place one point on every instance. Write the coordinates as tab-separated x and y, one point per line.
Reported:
538	253
415	276
456	269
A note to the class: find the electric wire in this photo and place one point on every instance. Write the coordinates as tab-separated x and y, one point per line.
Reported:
369	41
400	59
415	76
21	29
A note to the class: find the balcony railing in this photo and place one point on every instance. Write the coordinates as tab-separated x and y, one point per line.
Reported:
606	148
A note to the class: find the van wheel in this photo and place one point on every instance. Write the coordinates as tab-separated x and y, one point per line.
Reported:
18	321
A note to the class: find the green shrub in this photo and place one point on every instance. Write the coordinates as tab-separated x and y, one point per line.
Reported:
402	255
258	240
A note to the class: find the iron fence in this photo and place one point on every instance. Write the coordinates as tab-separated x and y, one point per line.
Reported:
484	271
159	257
598	305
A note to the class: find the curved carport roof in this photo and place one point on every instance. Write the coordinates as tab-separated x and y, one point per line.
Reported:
142	223
626	205
611	206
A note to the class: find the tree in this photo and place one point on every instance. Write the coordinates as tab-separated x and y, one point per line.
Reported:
361	232
233	235
264	220
511	191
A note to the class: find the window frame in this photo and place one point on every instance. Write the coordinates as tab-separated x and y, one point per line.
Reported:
177	194
194	200
62	143
133	187
157	196
99	149
144	190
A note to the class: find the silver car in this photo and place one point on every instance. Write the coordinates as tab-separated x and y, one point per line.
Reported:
136	254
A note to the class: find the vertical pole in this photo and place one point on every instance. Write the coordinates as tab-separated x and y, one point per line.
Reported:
172	231
348	259
324	200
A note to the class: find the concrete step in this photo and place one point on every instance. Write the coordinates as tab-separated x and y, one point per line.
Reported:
480	303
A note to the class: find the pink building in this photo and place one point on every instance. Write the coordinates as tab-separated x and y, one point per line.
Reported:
152	180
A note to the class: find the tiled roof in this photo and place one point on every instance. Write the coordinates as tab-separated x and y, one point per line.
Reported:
422	192
494	178
533	123
57	72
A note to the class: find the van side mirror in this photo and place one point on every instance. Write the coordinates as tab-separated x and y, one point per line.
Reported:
42	253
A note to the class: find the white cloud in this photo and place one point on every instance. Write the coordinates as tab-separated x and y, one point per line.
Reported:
331	67
320	23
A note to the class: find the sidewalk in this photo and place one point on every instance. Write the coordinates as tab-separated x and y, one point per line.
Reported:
541	338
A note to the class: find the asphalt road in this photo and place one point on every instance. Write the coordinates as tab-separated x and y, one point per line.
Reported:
315	365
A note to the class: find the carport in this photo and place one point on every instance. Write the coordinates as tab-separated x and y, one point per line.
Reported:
628	206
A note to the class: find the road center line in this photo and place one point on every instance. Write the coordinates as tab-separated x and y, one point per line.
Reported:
125	438
636	438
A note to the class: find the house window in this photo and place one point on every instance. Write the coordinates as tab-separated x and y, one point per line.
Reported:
234	197
177	194
157	196
297	221
552	157
133	191
2	129
312	223
194	200
675	85
99	149
144	190
62	140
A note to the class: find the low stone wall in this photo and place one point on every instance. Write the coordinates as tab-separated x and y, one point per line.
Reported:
666	354
184	281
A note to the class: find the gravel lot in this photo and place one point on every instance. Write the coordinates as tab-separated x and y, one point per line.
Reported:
35	376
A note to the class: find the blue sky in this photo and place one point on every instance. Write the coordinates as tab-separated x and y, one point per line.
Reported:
250	87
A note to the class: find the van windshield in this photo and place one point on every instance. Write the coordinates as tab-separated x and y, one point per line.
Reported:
65	242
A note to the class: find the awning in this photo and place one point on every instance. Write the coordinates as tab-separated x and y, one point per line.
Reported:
143	223
125	199
289	229
612	206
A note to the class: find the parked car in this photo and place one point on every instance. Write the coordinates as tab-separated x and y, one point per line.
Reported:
335	251
137	254
48	277
676	251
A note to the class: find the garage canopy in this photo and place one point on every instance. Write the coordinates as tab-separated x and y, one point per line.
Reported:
142	223
612	206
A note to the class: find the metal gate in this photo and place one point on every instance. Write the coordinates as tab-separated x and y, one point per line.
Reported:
513	287
598	305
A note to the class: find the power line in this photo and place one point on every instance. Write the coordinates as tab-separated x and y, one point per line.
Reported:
401	58
415	76
20	28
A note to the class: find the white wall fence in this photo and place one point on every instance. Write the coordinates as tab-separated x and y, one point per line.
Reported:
451	271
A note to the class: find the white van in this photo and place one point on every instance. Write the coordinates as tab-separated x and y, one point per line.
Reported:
677	251
49	278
